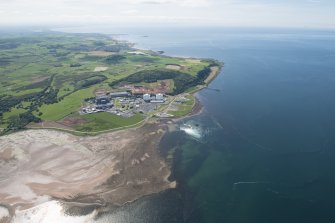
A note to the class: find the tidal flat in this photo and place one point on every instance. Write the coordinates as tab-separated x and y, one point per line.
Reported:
87	174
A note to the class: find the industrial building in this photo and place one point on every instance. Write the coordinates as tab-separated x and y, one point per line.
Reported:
158	98
103	102
119	94
147	97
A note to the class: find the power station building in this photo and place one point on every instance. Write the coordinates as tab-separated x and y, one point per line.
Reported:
120	94
147	97
158	98
103	102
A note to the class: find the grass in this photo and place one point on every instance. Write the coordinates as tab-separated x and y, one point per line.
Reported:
104	121
185	108
12	113
68	105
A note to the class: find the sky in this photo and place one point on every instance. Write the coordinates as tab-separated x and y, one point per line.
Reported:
235	13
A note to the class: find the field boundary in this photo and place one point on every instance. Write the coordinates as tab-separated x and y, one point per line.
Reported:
136	125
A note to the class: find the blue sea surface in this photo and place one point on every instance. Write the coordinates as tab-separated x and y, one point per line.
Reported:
268	154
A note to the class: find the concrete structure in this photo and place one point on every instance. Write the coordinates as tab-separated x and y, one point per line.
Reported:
159	97
157	101
119	94
103	102
146	97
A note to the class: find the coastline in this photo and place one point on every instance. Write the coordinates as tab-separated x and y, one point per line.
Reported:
108	170
197	109
152	131
105	186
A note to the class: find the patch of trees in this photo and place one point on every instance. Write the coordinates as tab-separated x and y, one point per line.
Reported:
58	65
113	48
92	81
182	81
4	62
48	97
89	99
20	121
99	43
80	48
203	74
148	76
112	59
80	84
215	63
54	46
62	55
75	65
8	102
8	46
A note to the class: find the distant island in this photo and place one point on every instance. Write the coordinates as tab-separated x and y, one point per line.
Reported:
91	83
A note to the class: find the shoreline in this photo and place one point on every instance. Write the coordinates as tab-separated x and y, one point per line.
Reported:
129	169
92	198
197	109
109	168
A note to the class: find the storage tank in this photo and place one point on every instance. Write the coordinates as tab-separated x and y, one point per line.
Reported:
159	97
146	97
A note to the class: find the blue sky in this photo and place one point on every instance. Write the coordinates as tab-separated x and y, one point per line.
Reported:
250	13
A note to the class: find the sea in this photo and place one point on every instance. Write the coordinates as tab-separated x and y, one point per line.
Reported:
263	149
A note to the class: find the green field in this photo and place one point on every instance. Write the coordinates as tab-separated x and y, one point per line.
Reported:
67	106
184	108
47	75
104	121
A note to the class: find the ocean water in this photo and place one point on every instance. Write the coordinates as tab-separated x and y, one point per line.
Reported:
266	152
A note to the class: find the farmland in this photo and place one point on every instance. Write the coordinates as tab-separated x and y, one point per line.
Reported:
46	76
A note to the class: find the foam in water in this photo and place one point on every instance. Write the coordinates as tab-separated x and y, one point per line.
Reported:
50	212
4	213
192	130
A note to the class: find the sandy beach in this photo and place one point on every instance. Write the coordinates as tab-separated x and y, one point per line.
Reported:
37	166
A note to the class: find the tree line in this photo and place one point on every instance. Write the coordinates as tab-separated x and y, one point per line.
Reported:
182	81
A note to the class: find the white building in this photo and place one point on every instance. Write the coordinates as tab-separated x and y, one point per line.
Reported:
159	97
146	97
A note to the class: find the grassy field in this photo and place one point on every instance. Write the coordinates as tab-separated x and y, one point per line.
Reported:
185	107
49	74
68	105
104	121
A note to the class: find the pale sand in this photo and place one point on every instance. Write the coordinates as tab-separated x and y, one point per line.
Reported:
114	168
4	214
99	69
214	72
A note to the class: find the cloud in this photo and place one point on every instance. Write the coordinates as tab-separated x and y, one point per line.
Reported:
314	1
130	12
299	13
190	3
